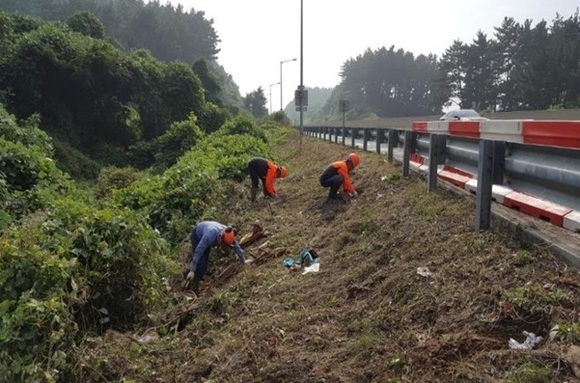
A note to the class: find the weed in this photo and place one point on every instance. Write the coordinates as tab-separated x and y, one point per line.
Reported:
342	240
332	301
524	257
534	298
566	332
393	177
531	373
399	363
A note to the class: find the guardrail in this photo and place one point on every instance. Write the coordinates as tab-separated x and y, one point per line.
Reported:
529	165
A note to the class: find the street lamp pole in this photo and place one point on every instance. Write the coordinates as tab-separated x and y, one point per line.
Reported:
271	85
301	93
282	62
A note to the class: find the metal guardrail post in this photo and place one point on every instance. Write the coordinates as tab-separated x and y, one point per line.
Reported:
437	155
391	144
409	146
352	137
433	157
484	186
380	139
335	135
365	138
498	170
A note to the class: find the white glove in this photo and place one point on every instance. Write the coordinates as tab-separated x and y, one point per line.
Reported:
353	194
190	276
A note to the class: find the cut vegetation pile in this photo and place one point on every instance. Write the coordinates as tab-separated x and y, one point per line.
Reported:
368	315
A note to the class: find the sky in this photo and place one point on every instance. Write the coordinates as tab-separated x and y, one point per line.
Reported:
257	35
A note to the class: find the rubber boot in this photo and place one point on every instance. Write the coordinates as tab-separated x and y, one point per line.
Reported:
253	194
195	285
333	192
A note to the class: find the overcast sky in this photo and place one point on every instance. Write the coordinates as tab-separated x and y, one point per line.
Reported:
256	35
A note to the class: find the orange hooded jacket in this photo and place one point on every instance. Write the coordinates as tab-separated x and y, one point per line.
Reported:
342	168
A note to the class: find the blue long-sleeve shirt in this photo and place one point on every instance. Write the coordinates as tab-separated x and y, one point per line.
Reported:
206	235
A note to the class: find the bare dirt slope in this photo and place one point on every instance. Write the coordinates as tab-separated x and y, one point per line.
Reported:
367	316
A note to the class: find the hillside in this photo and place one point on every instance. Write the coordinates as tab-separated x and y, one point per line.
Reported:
367	316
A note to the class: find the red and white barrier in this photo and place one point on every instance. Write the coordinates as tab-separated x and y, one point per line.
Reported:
565	134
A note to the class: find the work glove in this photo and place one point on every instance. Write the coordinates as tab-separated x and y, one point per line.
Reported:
188	280
353	194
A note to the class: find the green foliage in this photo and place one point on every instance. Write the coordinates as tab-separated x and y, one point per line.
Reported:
534	298
212	117
210	81
255	103
181	137
113	178
531	373
75	268
74	162
180	195
23	167
95	97
36	331
26	132
242	125
123	263
164	151
87	24
26	170
280	118
227	154
171	33
567	332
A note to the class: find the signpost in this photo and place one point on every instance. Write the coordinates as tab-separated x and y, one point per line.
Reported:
301	99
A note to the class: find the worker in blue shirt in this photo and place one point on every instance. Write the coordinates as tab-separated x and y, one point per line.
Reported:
204	236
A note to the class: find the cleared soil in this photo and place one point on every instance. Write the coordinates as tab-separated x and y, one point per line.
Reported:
367	315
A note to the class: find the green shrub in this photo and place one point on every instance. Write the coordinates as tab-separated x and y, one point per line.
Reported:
242	125
228	155
181	137
182	193
36	331
113	178
212	118
122	262
72	161
28	176
163	152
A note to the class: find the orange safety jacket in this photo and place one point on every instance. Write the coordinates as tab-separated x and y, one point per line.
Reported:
269	179
342	169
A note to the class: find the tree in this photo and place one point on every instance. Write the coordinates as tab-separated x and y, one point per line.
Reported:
508	46
209	81
482	67
453	68
255	103
86	23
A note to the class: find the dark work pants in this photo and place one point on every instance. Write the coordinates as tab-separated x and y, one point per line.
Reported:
333	183
254	172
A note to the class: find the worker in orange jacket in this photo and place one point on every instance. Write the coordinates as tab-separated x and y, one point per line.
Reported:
265	170
337	174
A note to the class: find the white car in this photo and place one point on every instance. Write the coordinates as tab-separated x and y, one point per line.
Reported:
462	115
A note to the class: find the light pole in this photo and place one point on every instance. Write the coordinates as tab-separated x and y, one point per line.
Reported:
301	70
271	85
282	62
